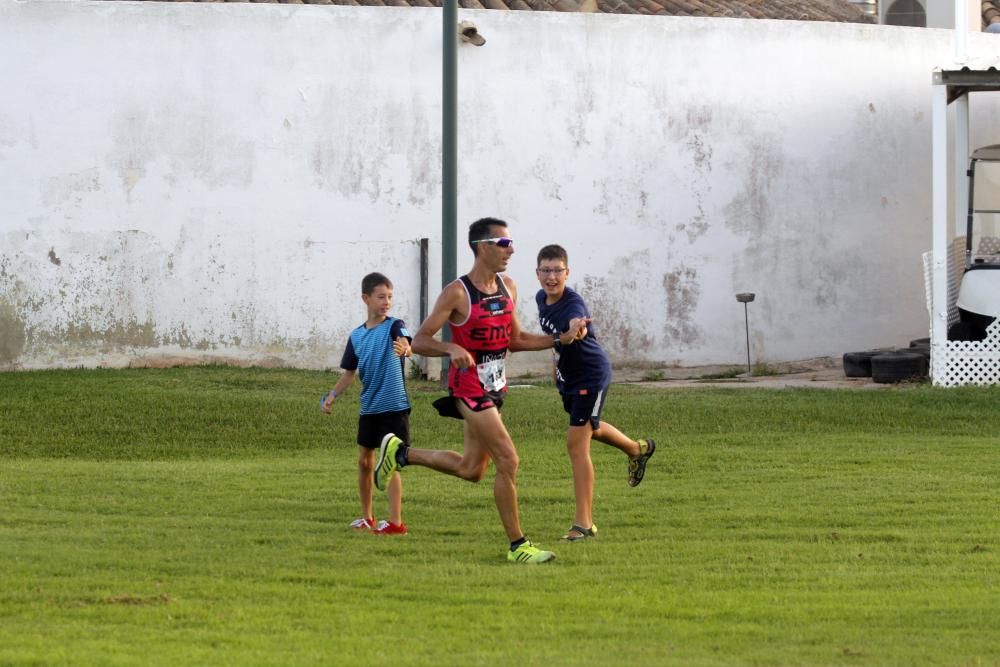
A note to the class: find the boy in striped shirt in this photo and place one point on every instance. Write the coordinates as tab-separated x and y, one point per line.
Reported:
377	351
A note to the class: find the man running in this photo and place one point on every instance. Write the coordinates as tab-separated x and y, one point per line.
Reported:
480	309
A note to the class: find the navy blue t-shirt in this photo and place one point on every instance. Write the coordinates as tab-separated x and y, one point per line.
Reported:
582	365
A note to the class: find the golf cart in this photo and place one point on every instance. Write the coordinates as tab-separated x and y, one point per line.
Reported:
979	294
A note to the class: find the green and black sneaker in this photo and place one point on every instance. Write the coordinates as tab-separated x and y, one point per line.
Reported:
637	466
386	463
529	554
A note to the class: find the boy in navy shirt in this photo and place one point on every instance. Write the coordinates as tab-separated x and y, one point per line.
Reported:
377	350
583	376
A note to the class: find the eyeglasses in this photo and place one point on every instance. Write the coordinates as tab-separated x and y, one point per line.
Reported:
500	242
550	272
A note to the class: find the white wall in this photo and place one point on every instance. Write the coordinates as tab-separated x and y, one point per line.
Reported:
195	179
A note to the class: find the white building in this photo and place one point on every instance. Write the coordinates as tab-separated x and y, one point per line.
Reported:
194	181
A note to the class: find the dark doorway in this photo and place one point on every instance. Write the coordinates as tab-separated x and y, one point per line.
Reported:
906	12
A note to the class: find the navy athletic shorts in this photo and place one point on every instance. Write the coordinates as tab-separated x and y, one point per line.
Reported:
585	405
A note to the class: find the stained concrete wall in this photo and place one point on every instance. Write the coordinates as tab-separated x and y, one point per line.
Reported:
192	181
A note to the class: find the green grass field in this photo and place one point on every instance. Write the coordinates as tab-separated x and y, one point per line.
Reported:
199	516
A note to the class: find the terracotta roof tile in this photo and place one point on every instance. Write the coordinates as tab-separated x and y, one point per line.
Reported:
842	11
808	10
991	12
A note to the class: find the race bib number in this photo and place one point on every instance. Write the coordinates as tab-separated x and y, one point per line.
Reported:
492	372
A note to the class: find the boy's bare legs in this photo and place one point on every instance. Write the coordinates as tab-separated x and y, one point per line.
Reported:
610	435
366	464
485	438
394	489
578	448
638	453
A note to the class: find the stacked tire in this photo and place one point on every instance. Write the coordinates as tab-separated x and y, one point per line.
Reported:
859	364
888	365
921	345
898	366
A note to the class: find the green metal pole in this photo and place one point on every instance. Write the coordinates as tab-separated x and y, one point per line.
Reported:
449	156
449	143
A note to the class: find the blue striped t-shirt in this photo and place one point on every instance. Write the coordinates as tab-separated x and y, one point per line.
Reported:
370	353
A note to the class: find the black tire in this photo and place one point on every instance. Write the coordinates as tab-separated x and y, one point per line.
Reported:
898	366
922	349
859	364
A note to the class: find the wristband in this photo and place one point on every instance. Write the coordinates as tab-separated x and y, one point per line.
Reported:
555	339
322	401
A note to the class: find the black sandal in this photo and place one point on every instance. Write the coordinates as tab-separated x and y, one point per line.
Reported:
584	533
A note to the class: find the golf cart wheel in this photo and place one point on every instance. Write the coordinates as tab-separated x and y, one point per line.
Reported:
859	364
963	331
898	366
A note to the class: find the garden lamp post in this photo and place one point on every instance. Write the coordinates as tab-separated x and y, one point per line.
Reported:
745	298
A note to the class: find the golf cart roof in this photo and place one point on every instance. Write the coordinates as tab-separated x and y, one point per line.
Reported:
987	153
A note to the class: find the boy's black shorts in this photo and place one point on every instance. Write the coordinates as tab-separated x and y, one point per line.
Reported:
372	428
585	405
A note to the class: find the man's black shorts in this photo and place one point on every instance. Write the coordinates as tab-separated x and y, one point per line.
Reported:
447	406
372	428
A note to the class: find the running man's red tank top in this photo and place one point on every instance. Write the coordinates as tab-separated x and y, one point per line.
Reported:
485	333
